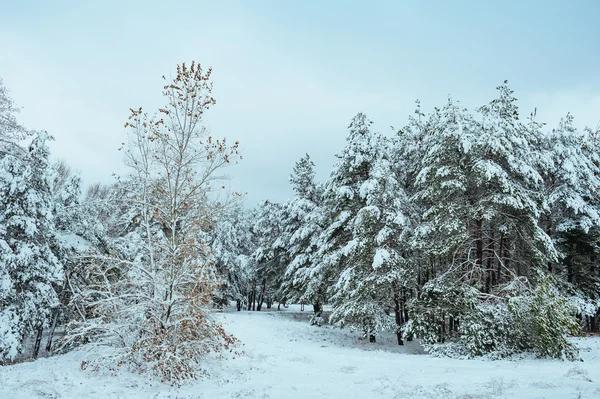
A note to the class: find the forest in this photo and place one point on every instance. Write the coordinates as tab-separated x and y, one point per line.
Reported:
474	232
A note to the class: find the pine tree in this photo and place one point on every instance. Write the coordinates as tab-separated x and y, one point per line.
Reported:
232	247
302	230
360	247
28	266
270	255
572	184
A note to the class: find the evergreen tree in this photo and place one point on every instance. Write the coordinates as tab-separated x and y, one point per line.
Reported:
28	266
232	246
270	256
360	248
303	229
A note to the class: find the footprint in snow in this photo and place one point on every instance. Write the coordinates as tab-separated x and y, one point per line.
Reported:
301	360
347	369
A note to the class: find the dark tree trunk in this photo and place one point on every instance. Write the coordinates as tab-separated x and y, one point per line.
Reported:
253	295
261	298
501	249
405	310
52	329
372	338
317	308
62	295
38	341
443	329
489	269
397	312
479	235
506	254
569	263
549	232
238	304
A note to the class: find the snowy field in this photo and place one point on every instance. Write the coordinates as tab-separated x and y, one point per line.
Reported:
286	358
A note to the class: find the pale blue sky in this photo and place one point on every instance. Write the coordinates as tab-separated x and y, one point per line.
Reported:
289	75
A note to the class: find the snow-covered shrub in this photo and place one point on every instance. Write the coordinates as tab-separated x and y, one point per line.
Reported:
488	329
429	313
544	320
462	322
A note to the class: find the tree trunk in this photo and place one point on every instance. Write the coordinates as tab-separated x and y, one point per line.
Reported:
371	331
501	249
443	329
261	298
252	294
38	341
506	258
405	309
549	232
569	263
317	308
238	304
56	314
397	312
52	329
479	235
489	268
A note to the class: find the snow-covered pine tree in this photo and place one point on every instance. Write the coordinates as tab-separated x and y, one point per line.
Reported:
572	217
572	185
360	248
29	268
300	284
443	192
232	246
509	157
270	255
482	187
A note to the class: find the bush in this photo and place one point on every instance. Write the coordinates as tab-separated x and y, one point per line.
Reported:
544	320
462	322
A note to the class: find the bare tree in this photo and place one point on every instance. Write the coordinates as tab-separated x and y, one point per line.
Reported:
155	303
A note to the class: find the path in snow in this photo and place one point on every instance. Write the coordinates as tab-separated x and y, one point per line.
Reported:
287	358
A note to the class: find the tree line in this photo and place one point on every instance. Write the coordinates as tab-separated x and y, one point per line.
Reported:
476	231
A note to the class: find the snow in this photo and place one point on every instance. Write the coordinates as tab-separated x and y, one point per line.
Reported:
382	255
72	240
285	357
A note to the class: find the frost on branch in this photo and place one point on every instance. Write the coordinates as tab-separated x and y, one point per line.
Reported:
149	288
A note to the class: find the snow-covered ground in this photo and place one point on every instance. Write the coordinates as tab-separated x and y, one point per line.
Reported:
286	358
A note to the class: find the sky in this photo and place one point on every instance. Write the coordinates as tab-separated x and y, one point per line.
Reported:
289	75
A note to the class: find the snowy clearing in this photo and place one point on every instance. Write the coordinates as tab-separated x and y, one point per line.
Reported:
287	358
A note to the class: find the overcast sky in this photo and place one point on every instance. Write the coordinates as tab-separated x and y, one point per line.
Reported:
289	75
